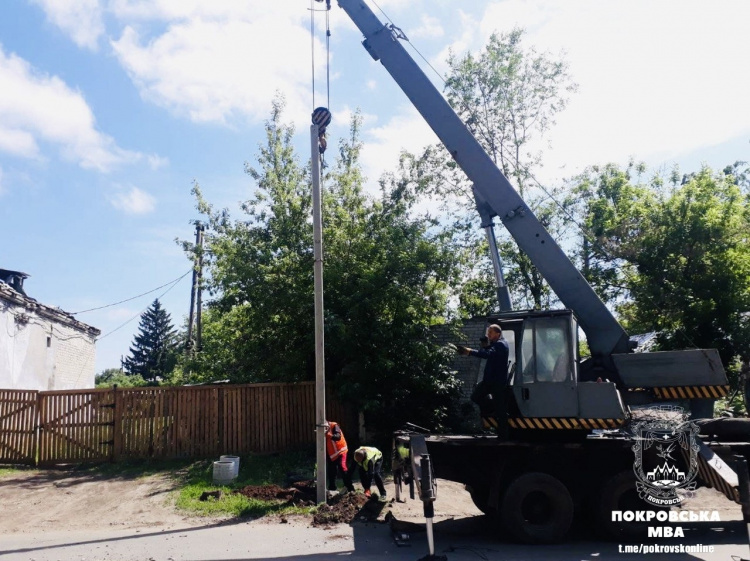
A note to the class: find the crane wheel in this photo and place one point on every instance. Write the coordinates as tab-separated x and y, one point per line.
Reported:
620	493
537	508
480	497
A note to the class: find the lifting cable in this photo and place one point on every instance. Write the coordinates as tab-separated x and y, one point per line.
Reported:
321	116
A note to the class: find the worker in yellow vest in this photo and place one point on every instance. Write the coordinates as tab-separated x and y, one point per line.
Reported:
370	461
336	457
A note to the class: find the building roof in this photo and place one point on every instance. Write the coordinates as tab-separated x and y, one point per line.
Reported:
9	294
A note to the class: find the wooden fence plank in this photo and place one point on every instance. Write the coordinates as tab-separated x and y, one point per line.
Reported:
130	423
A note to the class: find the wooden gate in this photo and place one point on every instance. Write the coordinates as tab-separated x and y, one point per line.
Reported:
72	426
18	414
76	426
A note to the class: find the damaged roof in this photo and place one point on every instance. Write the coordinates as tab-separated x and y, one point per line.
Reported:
10	294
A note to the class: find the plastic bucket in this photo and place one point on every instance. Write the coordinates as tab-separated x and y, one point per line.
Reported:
235	460
223	472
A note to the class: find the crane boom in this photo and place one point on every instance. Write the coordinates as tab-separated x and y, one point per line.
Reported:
604	334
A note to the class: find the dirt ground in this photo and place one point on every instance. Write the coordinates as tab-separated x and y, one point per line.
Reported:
68	500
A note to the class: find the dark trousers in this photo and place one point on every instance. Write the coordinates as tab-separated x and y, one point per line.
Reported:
336	467
367	476
495	406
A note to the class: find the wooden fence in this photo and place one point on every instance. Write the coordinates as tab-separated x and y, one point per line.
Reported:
54	427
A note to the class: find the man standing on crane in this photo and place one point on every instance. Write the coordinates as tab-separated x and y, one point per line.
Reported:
495	380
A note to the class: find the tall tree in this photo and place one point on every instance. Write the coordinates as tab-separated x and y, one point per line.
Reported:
508	96
677	257
153	354
388	277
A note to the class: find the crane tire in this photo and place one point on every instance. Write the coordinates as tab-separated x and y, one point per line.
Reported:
480	497
619	493
537	508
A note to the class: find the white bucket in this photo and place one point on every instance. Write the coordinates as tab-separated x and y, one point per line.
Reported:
235	460
223	472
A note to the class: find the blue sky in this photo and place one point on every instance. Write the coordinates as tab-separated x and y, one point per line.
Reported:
111	109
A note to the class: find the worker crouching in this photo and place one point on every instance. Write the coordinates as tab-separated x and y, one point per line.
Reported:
370	462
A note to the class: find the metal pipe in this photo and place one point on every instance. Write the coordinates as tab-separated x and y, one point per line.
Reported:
430	539
503	295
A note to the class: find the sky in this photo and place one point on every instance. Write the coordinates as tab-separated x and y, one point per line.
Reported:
110	111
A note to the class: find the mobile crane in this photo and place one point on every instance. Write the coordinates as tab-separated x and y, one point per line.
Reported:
534	485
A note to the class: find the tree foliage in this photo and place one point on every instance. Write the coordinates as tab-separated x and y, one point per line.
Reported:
116	377
387	279
508	96
675	258
153	354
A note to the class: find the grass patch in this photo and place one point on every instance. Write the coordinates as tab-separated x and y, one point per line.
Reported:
6	471
276	469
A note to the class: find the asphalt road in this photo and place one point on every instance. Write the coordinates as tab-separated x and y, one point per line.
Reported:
459	540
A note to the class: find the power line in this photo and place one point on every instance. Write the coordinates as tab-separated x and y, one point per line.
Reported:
134	297
174	283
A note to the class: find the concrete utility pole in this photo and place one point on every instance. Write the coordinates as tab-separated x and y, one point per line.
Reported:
195	289
199	302
320	376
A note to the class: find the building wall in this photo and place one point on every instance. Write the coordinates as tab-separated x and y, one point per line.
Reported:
39	353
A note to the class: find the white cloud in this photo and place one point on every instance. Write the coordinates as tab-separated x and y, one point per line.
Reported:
133	201
406	130
81	19
429	28
221	62
37	108
157	162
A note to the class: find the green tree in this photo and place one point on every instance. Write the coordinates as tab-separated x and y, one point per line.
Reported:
679	255
509	97
388	277
116	377
153	354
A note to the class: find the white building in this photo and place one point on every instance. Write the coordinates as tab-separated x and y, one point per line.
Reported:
41	347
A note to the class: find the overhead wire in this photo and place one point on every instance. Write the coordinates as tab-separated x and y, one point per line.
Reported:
134	297
173	284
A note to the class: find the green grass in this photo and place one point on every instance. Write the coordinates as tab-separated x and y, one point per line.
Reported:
254	470
193	477
8	471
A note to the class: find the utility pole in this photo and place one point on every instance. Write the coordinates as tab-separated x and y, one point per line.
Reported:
199	303
195	289
321	118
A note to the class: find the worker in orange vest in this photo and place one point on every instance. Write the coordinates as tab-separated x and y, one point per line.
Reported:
336	458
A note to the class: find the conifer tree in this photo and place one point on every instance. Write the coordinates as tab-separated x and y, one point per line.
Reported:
154	351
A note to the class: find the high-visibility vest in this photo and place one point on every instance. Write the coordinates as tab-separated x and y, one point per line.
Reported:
335	447
372	455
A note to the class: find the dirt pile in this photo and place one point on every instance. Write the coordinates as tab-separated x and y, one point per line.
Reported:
339	509
302	493
344	509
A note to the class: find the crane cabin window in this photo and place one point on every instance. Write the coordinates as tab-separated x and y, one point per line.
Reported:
545	350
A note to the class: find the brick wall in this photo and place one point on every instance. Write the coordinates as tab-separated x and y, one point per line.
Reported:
40	352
